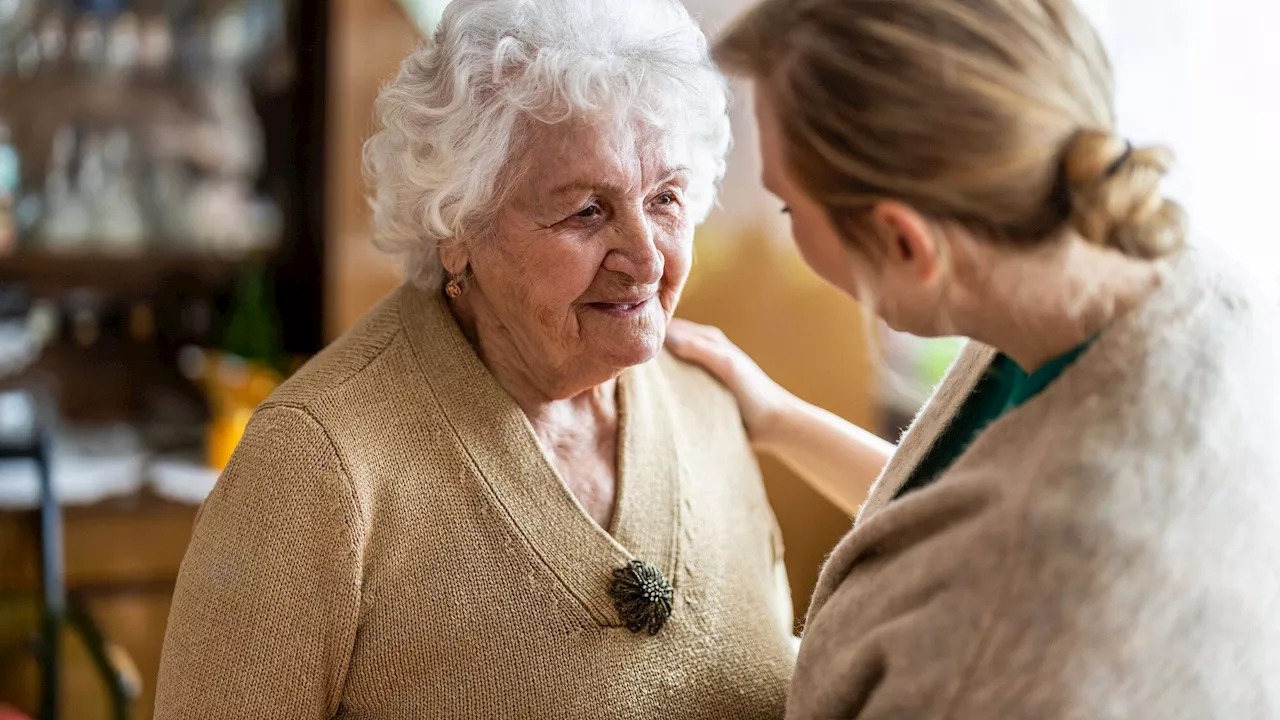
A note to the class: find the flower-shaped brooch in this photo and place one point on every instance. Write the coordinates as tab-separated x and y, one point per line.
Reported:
642	596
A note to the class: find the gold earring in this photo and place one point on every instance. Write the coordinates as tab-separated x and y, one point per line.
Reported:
454	288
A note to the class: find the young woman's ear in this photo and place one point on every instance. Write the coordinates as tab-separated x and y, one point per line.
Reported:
909	239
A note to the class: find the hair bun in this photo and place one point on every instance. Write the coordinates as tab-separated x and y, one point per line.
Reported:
1115	195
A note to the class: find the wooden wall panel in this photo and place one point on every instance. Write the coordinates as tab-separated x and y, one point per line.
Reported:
369	39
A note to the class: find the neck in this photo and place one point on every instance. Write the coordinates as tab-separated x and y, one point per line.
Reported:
1037	305
548	396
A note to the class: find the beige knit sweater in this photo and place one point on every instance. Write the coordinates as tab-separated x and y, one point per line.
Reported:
1111	549
390	542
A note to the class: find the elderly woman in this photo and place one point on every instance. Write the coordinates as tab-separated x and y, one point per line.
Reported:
1082	522
494	498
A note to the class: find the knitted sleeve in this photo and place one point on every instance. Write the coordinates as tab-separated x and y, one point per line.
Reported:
265	610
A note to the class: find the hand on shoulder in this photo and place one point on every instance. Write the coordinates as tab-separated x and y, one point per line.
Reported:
760	400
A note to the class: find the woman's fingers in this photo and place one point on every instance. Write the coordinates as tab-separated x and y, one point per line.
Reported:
684	329
681	336
757	395
694	343
706	337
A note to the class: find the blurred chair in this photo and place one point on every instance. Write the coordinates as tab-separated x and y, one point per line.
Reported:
57	612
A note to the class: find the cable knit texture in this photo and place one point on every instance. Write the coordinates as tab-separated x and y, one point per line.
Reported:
1108	550
390	541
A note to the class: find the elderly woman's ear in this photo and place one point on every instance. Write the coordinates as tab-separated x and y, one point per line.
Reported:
454	257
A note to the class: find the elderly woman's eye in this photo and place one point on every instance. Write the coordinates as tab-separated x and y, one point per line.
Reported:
666	198
589	211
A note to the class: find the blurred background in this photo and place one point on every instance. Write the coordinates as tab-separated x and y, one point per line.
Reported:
182	224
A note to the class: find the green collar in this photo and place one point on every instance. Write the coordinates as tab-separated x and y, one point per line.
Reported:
1026	386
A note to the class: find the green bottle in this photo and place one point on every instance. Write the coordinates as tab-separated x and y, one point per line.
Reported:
253	330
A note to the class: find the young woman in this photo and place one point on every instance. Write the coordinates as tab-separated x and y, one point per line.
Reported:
1084	521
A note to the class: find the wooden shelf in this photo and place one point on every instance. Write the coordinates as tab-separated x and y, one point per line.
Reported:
45	272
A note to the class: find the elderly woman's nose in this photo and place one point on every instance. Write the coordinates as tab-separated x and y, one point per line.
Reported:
636	254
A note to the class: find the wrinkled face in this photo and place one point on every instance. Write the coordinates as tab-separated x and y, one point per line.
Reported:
590	250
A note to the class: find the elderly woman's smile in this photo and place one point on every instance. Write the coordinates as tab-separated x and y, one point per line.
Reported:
621	309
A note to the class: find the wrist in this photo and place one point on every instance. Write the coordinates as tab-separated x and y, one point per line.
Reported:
769	430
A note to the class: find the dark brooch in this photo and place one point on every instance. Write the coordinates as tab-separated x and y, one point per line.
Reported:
642	596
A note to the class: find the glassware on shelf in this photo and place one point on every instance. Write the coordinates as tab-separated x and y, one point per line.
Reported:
227	145
155	45
166	188
92	177
66	214
26	53
123	45
88	43
51	41
84	310
232	136
15	36
100	209
178	165
20	346
26	327
117	211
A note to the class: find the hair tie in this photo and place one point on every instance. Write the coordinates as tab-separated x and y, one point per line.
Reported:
1119	162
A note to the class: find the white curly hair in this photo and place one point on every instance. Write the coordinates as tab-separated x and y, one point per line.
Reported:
450	122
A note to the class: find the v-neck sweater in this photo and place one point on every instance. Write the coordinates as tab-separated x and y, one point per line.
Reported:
390	540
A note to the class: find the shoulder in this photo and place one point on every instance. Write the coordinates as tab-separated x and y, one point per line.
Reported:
357	352
285	454
703	403
297	443
1202	354
1211	294
968	595
1188	375
374	396
693	384
269	588
367	378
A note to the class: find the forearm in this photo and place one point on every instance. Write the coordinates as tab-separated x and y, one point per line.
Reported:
835	457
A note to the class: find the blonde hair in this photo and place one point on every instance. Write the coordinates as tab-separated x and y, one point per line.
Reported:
997	114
